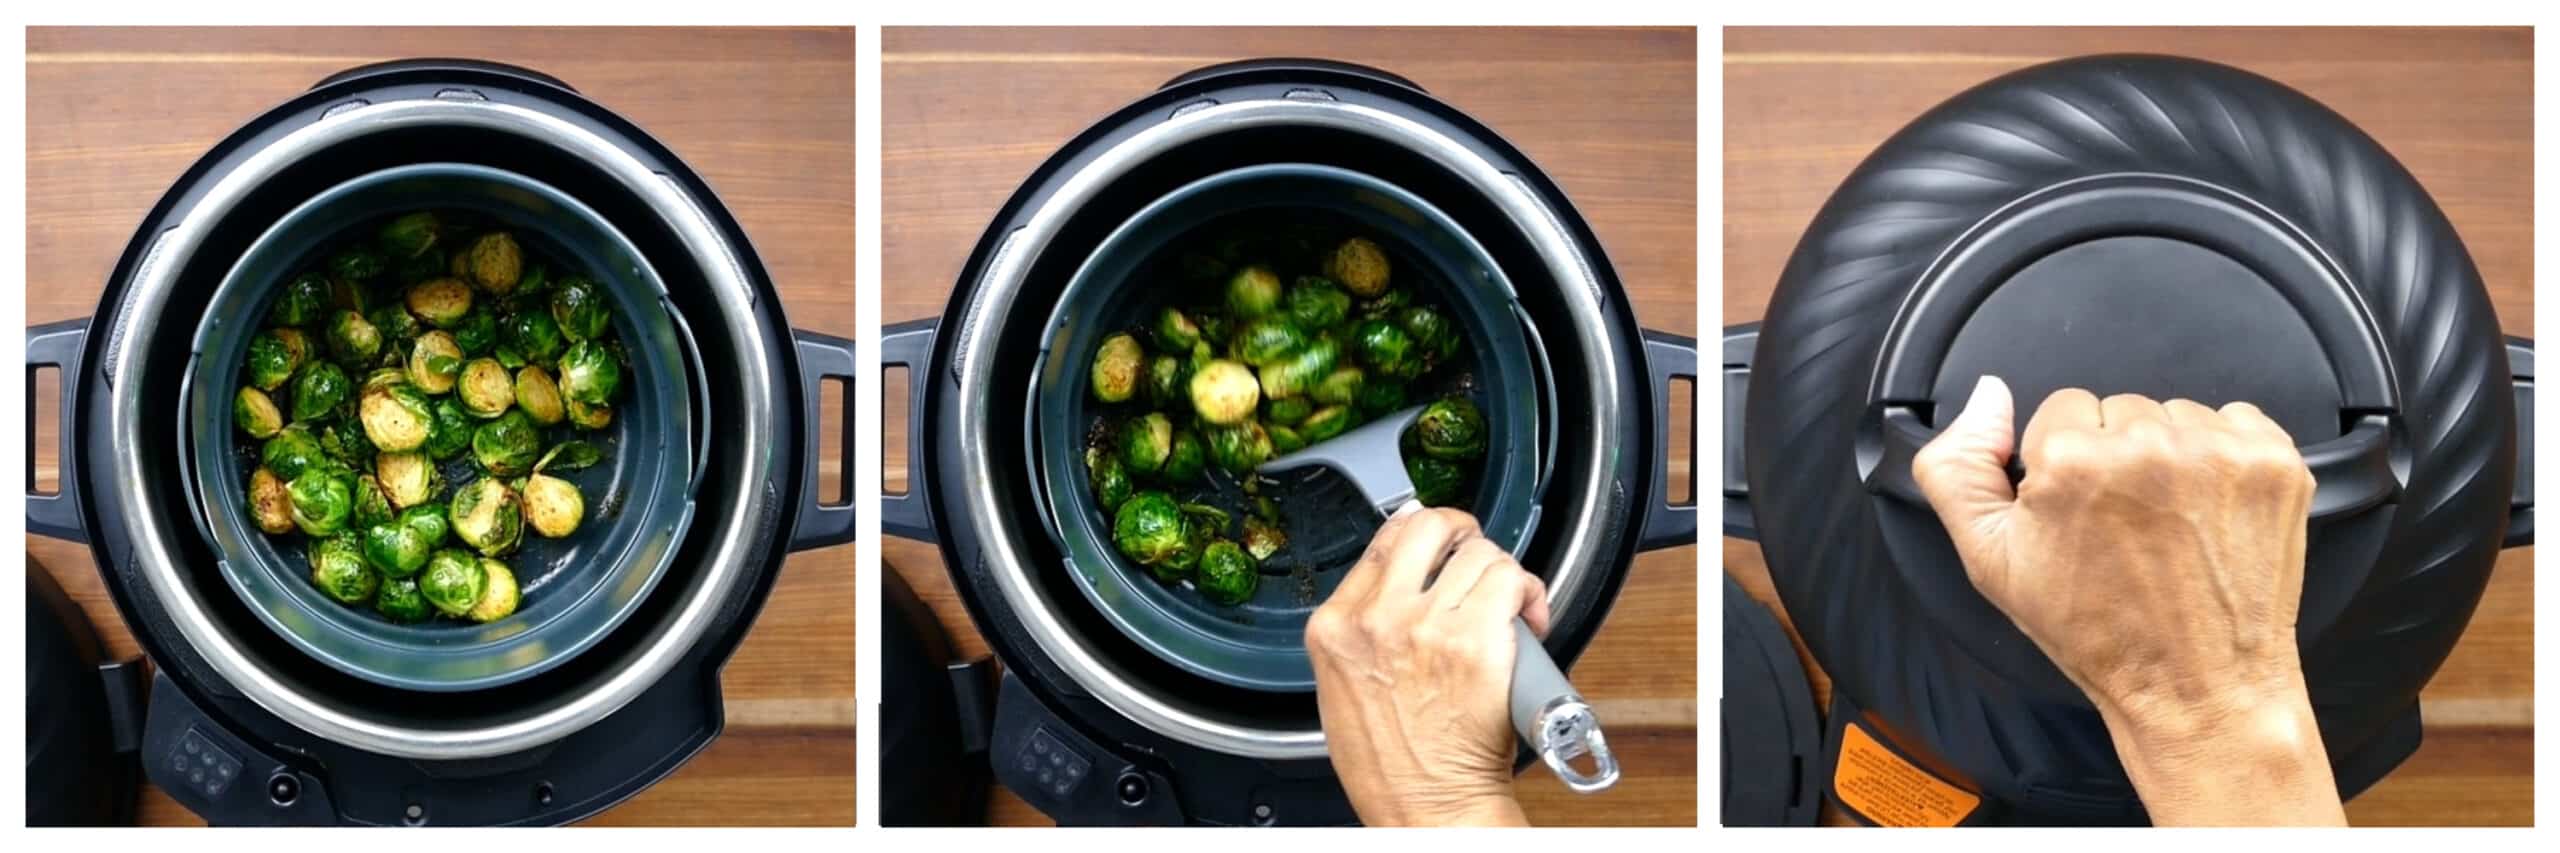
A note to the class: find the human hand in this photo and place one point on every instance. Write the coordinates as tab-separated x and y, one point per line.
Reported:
1412	657
2154	552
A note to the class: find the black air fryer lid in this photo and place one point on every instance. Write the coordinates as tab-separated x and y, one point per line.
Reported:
2141	224
1770	734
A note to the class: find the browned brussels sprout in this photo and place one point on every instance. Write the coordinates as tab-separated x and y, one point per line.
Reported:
442	302
255	413
270	505
1360	265
1225	392
1115	368
494	262
498	595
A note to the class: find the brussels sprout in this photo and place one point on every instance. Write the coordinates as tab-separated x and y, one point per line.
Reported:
495	262
1340	388
1145	442
589	374
498	599
1384	346
536	282
255	413
396	549
1380	396
270	503
382	378
353	338
532	334
1436	482
1253	292
1201	524
1326	423
1288	411
318	388
1385	305
538	397
293	451
485	388
1297	374
579	309
507	445
1148	528
1316	303
1285	440
1224	392
358	263
372	505
305	300
408	478
428	521
1237	449
590	416
397	325
338	569
321	501
1174	331
1188	457
508	357
1434	335
410	234
412	270
475	333
400	601
396	416
487	515
553	506
442	302
1115	368
1111	483
435	362
272	360
1227	574
1450	428
452	581
1268	341
1360	265
1168	382
450	434
1263	538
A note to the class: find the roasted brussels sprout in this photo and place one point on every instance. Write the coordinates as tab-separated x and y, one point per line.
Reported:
1339	388
1174	331
1436	482
321	500
1434	335
538	397
589	374
442	302
1168	382
485	388
1227	574
1201	524
1299	373
1287	411
1268	340
1224	392
410	234
304	302
435	362
494	262
338	569
487	515
428	521
1145	442
400	601
590	416
1263	537
532	334
1148	528
408	478
372	505
1110	481
553	505
1187	458
1253	292
1285	440
396	549
272	359
255	413
1385	347
1237	449
1360	265
383	378
452	581
1450	428
450	434
397	325
292	451
396	416
1380	396
353	338
1316	303
1326	423
423	267
507	445
318	388
580	310
498	597
1116	365
475	333
358	263
270	503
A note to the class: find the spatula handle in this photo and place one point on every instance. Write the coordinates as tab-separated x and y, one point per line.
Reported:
1553	718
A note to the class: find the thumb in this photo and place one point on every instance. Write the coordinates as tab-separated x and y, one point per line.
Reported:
1964	471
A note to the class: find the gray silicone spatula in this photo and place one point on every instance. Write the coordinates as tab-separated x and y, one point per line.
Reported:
1545	709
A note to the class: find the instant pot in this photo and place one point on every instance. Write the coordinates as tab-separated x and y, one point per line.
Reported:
1091	723
2145	224
243	726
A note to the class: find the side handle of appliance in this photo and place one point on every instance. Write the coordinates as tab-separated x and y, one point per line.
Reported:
910	345
1739	341
822	357
1667	358
56	345
2520	506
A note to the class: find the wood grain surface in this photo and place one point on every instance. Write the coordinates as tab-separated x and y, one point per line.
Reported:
767	116
1803	106
1611	114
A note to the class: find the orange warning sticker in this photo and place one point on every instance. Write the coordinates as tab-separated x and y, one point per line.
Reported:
1889	790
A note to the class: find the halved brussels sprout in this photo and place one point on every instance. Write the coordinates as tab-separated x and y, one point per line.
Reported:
344	440
495	262
321	500
589	373
1227	574
1148	528
485	388
1316	303
1263	537
1436	482
538	396
1450	428
579	309
452	581
408	478
304	302
318	388
442	302
255	413
372	506
553	506
435	362
359	264
507	445
1115	368
1238	449
292	451
450	434
1174	331
396	416
1285	440
1168	382
397	325
1111	483
1434	335
428	521
590	416
1224	392
1386	347
1201	524
270	504
1145	442
396	549
400	601
1339	388
338	569
410	234
1188	457
487	516
1360	265
353	338
532	334
1326	423
476	332
1253	292
272	360
498	597
1268	340
1298	374
1287	411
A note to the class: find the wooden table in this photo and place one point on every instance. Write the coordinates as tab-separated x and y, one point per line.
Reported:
766	115
967	113
1803	106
